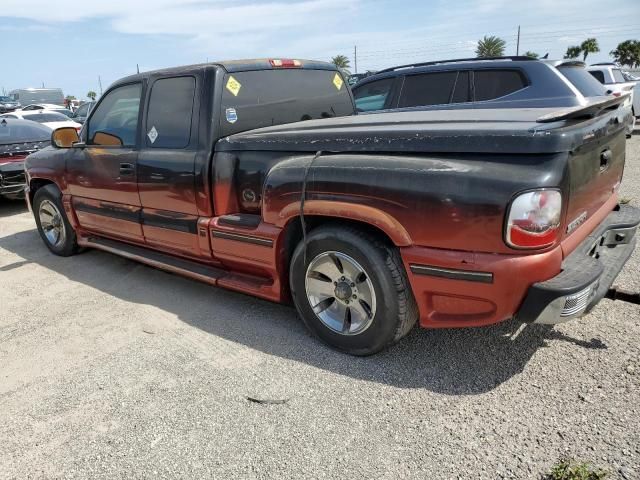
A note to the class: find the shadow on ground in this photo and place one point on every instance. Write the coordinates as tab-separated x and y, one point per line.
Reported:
11	207
463	361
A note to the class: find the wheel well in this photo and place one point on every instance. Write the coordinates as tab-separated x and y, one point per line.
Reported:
293	236
35	185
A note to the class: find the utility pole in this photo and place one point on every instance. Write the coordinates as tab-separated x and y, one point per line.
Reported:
518	44
42	84
355	57
100	83
137	68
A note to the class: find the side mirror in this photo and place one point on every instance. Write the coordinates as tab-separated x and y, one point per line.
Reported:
64	137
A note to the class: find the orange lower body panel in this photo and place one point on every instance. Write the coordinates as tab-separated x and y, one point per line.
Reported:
452	302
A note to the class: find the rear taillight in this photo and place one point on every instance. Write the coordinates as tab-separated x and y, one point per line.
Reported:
534	219
284	63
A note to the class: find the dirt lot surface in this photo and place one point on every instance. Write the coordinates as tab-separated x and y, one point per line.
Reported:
110	369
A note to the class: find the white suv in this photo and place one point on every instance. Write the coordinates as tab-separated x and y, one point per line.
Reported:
610	75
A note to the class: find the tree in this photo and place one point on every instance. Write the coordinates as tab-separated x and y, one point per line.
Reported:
531	54
573	52
92	95
590	45
70	97
341	62
490	46
627	53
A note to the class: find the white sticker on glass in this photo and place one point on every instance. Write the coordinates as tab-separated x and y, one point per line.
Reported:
153	134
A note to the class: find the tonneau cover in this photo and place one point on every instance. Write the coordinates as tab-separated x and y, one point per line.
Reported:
463	131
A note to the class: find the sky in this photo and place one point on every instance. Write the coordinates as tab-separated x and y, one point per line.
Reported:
73	45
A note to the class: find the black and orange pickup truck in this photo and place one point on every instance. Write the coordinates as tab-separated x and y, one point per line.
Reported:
256	176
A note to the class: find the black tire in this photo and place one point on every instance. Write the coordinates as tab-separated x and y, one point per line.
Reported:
396	311
69	245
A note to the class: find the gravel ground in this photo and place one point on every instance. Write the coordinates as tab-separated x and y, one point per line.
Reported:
110	369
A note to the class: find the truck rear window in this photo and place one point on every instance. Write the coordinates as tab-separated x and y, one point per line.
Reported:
274	97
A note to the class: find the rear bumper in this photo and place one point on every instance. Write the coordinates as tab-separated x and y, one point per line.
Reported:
465	289
587	273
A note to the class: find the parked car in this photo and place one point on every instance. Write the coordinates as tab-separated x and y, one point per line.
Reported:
18	138
612	77
28	96
48	106
48	118
81	113
8	105
501	82
369	223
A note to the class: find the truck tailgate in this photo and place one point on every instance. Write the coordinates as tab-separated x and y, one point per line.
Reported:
594	170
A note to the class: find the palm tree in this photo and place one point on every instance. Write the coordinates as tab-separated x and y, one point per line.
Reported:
531	54
590	45
341	62
92	95
490	46
627	53
573	52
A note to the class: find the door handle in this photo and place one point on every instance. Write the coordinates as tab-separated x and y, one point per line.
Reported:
605	158
127	169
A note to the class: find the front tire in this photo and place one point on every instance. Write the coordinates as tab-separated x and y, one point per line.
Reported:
351	290
53	224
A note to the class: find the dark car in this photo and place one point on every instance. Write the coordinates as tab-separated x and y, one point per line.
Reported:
7	104
18	138
501	82
82	112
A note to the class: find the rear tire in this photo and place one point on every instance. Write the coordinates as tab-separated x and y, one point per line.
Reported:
352	291
53	225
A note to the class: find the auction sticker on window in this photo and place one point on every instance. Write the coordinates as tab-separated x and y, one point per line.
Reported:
337	81
233	86
232	115
153	134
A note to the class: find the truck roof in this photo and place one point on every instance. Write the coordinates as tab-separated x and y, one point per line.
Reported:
526	131
231	66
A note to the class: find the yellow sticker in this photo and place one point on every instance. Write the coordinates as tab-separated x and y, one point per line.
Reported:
233	86
337	81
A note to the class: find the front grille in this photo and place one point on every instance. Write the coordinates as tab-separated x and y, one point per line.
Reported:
12	179
577	302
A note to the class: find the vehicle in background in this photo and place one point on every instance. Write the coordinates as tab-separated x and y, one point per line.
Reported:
500	82
82	112
8	105
48	118
630	77
367	223
38	95
613	78
47	106
18	138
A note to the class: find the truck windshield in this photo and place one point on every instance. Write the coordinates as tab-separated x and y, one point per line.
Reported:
586	84
274	97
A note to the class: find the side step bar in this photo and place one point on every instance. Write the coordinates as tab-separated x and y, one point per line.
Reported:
155	259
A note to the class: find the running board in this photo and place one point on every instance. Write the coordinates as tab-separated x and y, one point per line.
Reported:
194	270
250	284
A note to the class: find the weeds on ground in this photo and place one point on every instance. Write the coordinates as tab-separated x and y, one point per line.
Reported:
567	469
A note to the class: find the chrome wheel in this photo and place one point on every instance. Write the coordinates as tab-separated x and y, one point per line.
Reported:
340	293
52	223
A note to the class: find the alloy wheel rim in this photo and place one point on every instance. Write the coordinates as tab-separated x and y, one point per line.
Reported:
51	223
340	293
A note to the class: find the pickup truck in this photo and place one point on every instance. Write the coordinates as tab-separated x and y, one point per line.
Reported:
367	223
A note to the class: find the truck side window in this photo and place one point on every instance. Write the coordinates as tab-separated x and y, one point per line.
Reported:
115	119
491	84
427	89
461	92
169	112
598	75
373	96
